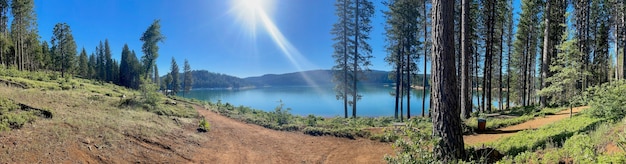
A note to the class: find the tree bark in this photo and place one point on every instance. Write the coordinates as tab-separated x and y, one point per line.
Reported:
445	105
466	107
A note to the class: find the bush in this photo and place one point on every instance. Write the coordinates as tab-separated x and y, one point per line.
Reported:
17	120
608	100
416	147
7	105
203	125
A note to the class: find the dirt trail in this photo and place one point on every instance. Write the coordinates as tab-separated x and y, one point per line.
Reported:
231	141
476	139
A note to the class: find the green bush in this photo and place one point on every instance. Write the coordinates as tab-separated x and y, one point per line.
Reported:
608	100
203	125
7	105
17	120
417	147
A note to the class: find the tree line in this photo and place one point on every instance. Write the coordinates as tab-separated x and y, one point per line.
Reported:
22	48
475	50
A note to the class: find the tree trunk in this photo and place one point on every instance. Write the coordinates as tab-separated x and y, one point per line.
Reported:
446	115
397	86
545	63
356	58
408	82
466	107
425	52
345	58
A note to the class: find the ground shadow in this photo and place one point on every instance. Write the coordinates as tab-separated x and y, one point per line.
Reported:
492	131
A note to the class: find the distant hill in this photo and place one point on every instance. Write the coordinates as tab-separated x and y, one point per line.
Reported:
319	77
206	79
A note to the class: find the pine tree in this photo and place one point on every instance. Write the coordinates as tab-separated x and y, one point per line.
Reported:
466	106
352	52
562	86
21	26
92	66
83	65
342	40
187	81
125	67
446	114
108	62
64	46
175	84
150	38
5	40
524	53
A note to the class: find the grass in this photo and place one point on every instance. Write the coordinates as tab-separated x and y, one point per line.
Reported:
88	111
282	119
520	115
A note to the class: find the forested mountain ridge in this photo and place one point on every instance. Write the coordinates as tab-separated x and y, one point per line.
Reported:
206	79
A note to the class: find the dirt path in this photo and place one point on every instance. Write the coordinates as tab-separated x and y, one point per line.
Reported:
476	139
231	141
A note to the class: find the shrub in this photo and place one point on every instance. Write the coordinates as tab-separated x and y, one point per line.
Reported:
203	125
416	147
150	94
281	116
608	100
7	105
17	120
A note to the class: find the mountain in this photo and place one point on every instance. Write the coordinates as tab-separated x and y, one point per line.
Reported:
319	77
206	79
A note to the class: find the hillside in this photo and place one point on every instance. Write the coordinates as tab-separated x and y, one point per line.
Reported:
318	77
206	79
70	120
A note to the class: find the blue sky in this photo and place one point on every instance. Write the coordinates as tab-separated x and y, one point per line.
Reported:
211	33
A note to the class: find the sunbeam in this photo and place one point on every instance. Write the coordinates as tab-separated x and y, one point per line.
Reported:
252	13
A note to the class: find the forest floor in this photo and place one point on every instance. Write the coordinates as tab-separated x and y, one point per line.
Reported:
493	135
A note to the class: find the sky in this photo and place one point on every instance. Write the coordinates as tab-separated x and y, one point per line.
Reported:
243	38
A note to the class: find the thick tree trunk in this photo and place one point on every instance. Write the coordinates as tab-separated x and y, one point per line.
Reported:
446	115
466	107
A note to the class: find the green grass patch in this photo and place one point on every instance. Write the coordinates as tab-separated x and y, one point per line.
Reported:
520	115
531	140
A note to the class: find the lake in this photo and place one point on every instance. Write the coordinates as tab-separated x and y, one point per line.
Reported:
304	100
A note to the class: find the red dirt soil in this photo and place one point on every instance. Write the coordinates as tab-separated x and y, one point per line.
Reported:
231	141
476	139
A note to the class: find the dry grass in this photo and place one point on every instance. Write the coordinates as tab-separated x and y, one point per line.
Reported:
88	125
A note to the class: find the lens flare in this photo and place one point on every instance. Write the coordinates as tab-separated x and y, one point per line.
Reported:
252	13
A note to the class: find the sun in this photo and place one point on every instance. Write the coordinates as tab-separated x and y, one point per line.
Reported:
249	13
253	13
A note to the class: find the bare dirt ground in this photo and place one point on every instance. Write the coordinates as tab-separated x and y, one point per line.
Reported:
86	131
494	135
231	141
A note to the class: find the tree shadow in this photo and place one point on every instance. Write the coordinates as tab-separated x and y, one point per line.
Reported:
494	131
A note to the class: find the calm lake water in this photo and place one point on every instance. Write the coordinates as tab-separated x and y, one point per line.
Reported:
320	101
